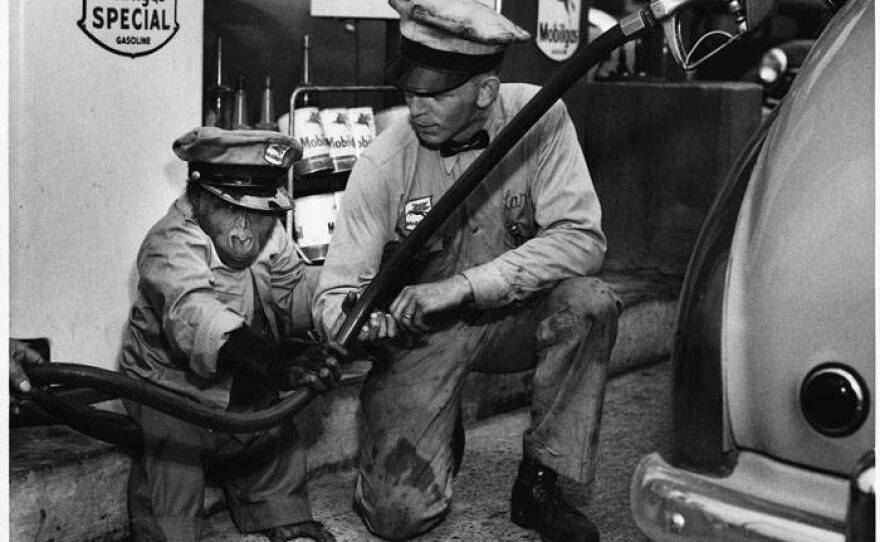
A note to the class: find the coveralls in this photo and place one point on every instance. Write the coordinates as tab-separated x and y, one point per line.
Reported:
527	239
188	301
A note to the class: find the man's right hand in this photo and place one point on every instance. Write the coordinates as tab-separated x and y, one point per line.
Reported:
380	325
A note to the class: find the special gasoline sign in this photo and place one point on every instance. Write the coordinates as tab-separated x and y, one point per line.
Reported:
130	27
559	24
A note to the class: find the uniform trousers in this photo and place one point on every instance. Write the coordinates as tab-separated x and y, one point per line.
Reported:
263	474
411	399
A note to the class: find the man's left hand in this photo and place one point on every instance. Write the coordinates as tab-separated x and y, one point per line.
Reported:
419	300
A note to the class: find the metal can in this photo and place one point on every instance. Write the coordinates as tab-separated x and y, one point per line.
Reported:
338	132
363	127
309	131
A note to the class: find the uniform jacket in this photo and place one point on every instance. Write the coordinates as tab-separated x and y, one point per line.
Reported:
533	221
188	301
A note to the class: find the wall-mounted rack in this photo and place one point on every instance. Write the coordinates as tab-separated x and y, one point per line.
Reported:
327	181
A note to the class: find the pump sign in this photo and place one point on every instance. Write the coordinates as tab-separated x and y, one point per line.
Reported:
559	24
130	27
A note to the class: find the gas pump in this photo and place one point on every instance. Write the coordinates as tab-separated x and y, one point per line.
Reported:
65	390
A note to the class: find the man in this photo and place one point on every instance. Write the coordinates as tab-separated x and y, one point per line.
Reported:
505	285
219	287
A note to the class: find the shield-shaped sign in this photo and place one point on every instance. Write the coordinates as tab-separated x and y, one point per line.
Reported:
559	23
130	27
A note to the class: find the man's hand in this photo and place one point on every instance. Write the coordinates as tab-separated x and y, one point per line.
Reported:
380	325
419	300
20	355
408	311
315	367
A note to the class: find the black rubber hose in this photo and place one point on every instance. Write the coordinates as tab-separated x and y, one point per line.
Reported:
389	279
29	412
107	426
166	401
387	282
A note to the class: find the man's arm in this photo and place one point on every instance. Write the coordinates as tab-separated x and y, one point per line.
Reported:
362	229
569	241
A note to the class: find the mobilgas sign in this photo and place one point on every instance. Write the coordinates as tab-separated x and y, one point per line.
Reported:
130	27
559	24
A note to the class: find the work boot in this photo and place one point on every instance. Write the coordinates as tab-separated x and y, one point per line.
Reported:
309	530
536	503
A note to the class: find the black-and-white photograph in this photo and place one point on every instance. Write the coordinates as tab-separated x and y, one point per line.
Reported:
439	270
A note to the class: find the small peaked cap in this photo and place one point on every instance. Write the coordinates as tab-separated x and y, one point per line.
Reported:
244	167
446	42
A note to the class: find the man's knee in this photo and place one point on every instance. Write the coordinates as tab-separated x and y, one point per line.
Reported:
582	300
401	513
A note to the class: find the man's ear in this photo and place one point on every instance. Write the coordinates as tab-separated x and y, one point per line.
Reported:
488	90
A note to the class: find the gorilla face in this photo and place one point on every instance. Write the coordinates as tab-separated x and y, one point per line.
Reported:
238	233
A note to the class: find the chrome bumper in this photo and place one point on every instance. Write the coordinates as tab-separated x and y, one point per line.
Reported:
673	505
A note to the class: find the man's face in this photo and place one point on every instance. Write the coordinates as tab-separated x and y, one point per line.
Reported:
453	114
239	234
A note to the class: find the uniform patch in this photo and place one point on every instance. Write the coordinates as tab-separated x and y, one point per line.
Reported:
275	153
415	210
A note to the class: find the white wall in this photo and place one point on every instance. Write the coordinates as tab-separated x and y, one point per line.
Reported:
91	169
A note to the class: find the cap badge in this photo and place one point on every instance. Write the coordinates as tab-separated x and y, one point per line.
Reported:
275	154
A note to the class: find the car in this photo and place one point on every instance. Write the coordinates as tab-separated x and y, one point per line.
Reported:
773	359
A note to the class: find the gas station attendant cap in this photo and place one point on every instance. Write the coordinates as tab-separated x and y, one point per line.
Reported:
446	42
247	168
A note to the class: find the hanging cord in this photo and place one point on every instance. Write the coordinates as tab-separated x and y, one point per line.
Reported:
730	38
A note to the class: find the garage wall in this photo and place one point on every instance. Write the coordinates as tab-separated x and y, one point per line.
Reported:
91	169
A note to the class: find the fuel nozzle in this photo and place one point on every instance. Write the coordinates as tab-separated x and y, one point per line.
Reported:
747	14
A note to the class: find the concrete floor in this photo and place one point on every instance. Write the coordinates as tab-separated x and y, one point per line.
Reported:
635	422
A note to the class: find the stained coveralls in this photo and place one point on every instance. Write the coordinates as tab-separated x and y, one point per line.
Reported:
528	239
188	301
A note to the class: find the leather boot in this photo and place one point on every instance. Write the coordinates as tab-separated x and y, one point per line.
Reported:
536	503
309	530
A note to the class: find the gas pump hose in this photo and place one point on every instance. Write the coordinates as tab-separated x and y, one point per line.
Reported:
387	283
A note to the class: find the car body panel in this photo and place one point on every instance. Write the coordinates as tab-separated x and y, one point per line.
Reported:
792	288
800	285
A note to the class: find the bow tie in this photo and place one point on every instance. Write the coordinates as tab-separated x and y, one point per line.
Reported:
479	140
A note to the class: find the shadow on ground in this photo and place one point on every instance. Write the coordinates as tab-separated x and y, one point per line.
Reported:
635	422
